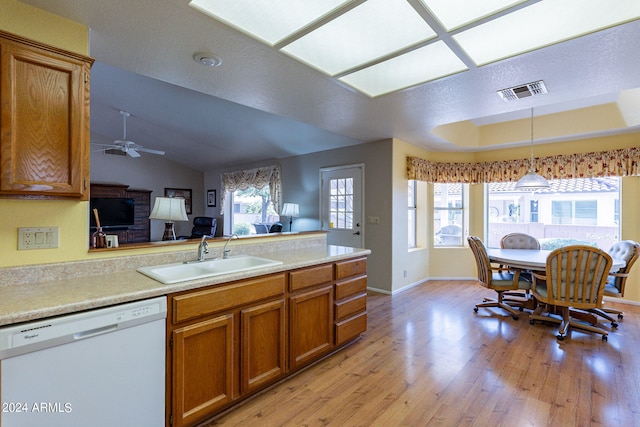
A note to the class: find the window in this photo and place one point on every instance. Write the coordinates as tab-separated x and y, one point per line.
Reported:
574	212
412	222
571	211
253	192
253	211
341	203
449	214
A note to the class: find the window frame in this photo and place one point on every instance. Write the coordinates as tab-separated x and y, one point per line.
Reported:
412	216
460	211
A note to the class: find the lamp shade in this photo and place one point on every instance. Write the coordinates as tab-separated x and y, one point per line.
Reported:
290	209
531	182
169	209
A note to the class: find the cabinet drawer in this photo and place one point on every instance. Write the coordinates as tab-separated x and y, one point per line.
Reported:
352	267
351	328
351	306
226	297
307	277
351	287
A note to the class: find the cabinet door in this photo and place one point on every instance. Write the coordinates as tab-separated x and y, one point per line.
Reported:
311	325
203	370
44	122
262	352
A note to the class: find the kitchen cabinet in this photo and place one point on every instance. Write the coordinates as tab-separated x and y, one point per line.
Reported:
44	120
229	341
263	346
203	368
311	314
350	299
225	342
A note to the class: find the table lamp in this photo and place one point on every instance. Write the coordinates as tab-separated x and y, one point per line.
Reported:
290	210
169	209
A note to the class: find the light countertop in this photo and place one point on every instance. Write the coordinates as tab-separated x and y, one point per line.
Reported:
31	301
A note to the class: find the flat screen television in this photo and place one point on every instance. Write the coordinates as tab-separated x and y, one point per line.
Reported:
113	212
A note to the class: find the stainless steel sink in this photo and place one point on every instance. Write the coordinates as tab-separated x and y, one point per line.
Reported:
180	272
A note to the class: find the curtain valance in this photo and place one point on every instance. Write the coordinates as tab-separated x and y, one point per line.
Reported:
621	162
257	178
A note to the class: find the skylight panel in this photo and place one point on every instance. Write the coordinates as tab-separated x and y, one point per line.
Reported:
267	20
456	13
368	32
418	66
542	24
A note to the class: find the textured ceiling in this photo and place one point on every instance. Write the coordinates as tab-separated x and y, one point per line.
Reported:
260	104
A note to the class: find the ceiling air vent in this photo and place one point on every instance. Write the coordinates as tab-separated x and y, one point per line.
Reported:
523	91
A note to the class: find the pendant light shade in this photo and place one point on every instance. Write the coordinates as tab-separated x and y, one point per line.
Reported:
532	181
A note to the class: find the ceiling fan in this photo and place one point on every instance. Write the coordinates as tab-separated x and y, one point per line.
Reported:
125	146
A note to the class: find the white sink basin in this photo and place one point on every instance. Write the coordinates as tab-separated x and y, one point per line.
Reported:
180	272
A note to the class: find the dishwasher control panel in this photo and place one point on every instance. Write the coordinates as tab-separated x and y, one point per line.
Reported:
18	339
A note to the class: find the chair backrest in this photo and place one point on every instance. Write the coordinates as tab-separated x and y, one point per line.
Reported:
482	259
261	228
519	241
576	276
276	227
628	250
203	226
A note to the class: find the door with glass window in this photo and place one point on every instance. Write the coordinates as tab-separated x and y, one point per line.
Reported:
341	205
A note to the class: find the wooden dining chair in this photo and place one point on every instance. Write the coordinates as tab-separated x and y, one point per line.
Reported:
500	280
574	278
519	241
627	250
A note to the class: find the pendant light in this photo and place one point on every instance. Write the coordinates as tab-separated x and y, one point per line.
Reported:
532	181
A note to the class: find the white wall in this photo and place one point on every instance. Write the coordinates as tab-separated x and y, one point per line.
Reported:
151	172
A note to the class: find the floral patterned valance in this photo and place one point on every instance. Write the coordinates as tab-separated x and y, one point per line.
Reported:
622	162
257	178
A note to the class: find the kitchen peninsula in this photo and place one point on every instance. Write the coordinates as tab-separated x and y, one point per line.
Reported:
300	311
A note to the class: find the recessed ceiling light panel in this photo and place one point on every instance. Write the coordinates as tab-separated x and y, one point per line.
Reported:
418	66
542	24
456	13
369	31
267	20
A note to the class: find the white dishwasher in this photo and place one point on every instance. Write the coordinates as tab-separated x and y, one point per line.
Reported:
104	367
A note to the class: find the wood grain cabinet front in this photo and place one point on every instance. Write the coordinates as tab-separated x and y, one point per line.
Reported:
350	299
228	342
310	314
203	369
44	120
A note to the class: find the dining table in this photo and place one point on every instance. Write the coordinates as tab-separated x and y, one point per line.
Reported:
532	259
536	260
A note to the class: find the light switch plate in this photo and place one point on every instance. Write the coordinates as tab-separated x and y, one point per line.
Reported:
38	238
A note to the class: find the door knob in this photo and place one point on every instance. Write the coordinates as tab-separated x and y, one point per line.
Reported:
357	233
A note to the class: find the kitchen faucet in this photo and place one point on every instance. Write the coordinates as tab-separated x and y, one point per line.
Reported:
225	251
203	248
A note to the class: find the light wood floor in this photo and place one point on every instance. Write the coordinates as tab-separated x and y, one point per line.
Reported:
427	359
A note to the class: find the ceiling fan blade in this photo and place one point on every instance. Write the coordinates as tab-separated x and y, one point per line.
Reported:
151	151
106	145
131	152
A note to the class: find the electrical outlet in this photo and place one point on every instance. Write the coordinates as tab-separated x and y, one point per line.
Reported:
38	238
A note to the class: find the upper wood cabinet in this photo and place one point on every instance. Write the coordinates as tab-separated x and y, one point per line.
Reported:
44	120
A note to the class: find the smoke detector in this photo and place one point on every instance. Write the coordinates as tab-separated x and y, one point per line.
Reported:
523	91
207	59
